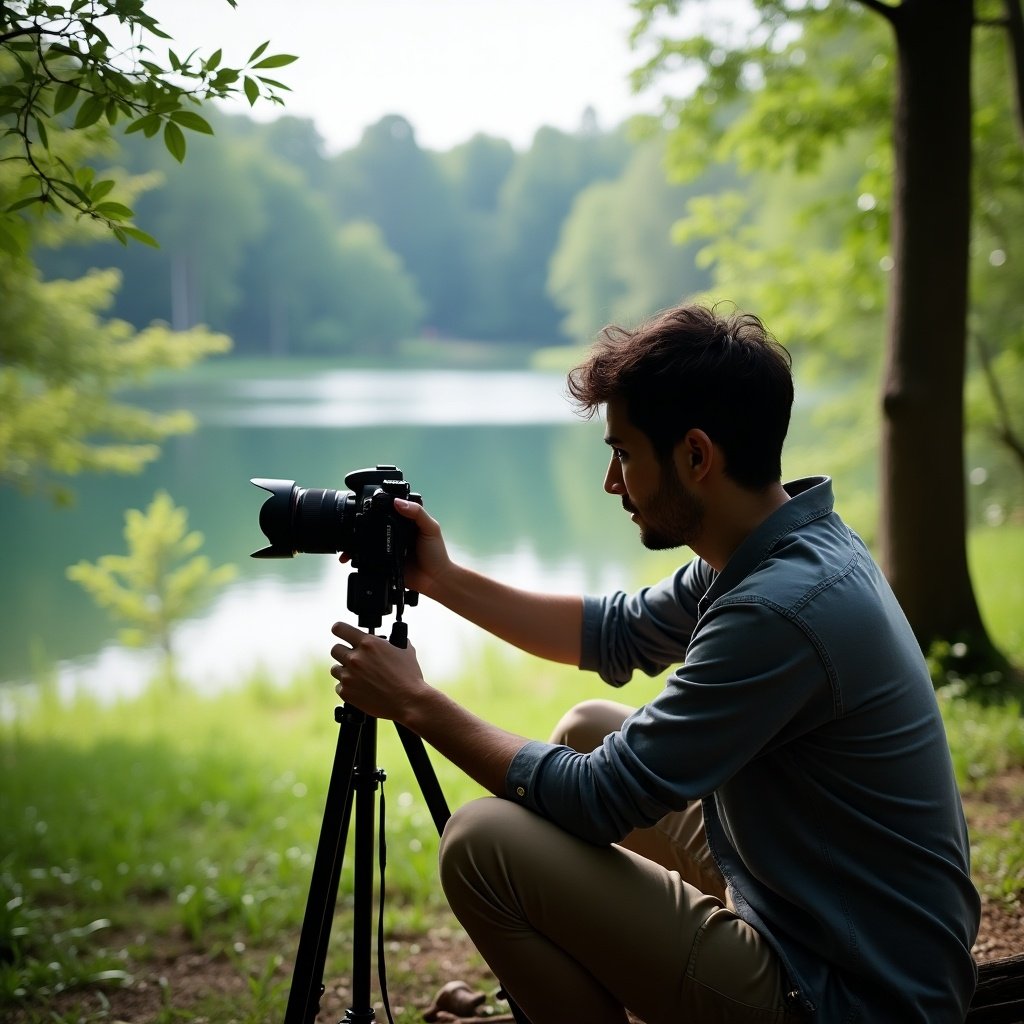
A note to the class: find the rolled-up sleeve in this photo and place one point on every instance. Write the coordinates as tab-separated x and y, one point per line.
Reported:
752	671
648	630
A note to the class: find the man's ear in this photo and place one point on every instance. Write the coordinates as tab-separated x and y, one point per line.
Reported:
695	455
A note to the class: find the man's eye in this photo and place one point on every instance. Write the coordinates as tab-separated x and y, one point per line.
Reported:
619	454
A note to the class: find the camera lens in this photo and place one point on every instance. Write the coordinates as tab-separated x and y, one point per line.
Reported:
318	520
304	519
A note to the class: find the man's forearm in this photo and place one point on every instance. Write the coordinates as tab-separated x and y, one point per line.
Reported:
547	625
483	751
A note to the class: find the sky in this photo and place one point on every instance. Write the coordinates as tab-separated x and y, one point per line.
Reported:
451	67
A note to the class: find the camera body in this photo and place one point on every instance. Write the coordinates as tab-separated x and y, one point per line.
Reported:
362	522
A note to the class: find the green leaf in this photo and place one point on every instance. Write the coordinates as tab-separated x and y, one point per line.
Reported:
66	95
214	60
89	112
113	211
174	140
224	78
149	124
101	189
258	51
191	120
252	90
41	129
140	236
72	187
22	203
279	60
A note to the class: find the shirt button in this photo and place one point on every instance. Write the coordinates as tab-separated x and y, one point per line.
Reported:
520	791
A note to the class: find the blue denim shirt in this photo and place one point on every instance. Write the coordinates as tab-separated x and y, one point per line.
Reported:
803	715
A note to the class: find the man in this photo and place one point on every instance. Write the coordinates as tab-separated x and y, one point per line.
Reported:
777	836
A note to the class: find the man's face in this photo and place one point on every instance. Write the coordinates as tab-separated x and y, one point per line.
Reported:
666	512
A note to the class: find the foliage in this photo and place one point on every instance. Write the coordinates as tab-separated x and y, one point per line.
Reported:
60	364
616	260
147	587
986	740
802	108
804	82
72	66
249	246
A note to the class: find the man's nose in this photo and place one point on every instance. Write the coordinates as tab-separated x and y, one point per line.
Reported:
613	478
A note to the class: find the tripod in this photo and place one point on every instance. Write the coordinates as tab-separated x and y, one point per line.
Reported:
354	780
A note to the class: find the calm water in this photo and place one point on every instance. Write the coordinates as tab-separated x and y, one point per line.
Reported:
512	474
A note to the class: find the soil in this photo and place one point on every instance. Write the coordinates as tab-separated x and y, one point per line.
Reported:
192	981
443	955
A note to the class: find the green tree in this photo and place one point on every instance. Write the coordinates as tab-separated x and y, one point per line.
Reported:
68	73
389	180
69	67
616	260
801	90
536	197
476	172
310	285
61	363
159	582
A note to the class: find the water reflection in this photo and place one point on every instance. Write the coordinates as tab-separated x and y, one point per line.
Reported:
361	398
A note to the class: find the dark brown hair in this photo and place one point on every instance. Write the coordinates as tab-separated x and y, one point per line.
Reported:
691	367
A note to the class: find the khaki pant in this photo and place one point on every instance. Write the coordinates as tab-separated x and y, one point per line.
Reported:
577	933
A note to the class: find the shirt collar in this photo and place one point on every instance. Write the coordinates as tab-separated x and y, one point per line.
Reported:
810	498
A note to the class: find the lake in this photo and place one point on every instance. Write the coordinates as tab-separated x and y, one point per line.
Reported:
513	475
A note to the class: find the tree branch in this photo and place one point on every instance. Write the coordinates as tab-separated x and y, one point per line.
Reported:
5	37
1003	431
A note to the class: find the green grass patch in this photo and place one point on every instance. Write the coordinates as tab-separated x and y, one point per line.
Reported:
197	817
996	556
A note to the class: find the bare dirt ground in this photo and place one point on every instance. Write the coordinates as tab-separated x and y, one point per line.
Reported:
179	982
443	955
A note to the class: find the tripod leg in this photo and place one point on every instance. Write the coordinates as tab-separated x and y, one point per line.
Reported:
425	776
431	789
308	973
366	779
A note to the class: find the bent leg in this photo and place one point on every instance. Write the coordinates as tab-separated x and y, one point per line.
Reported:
677	841
580	932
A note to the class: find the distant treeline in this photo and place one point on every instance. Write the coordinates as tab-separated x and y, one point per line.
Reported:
292	251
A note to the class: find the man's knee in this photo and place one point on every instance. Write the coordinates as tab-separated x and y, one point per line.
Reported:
472	835
585	726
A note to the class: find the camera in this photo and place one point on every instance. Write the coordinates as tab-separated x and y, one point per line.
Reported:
361	521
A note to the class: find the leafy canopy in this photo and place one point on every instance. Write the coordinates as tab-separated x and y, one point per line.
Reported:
72	67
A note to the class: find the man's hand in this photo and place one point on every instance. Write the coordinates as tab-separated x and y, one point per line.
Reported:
386	682
379	679
428	561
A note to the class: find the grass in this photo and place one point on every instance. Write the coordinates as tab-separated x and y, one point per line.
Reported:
140	832
174	814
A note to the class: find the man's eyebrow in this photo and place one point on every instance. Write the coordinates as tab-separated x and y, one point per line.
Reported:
612	440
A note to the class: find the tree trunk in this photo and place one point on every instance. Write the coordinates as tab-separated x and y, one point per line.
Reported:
923	529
